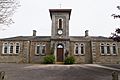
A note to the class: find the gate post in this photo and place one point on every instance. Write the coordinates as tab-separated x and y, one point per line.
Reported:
114	75
2	75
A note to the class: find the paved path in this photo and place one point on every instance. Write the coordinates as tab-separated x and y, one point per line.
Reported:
58	72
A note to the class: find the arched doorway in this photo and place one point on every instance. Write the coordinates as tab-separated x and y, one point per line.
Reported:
60	51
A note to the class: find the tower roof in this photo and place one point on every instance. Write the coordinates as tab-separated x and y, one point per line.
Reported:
60	11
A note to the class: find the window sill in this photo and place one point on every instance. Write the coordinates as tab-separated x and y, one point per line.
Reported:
76	54
9	54
39	54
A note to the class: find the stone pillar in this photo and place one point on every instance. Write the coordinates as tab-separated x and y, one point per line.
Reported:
2	75
114	75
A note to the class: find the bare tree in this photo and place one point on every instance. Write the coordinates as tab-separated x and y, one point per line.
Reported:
7	9
115	15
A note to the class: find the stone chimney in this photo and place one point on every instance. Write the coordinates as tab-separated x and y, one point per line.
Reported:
86	33
34	32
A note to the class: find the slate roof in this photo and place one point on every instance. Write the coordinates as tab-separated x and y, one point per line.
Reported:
44	38
48	38
93	38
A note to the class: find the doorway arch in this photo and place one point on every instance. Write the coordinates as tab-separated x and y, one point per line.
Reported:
60	52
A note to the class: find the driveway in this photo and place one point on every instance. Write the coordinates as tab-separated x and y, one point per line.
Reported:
58	72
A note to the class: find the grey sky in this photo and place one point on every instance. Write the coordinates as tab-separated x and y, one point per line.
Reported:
92	15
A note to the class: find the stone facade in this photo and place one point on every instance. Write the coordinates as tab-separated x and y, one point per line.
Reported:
86	49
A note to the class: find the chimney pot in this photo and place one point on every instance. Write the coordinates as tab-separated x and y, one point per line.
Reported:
86	33
34	32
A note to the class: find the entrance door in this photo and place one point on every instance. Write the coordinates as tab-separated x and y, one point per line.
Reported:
60	51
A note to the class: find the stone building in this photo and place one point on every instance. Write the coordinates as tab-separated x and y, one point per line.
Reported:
85	49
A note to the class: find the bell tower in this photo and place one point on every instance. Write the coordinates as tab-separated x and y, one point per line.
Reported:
60	23
60	33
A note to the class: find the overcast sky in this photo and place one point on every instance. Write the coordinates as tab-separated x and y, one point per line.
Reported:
92	15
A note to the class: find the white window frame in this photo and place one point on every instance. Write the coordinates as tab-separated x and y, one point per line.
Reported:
5	44
62	23
102	44
11	44
37	50
16	47
75	48
116	48
79	48
40	49
106	45
82	45
43	45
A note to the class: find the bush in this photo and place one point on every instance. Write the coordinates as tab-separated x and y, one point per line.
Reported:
49	59
69	60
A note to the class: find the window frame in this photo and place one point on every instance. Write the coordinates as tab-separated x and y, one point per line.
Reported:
5	44
60	28
102	49
112	52
81	48
40	49
76	46
11	45
17	44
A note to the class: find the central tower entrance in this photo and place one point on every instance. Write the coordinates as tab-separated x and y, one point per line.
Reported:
60	52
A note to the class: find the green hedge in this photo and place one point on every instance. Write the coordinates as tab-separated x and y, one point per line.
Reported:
49	59
69	60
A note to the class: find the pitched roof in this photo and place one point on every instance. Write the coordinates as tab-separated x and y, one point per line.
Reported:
48	38
45	38
93	38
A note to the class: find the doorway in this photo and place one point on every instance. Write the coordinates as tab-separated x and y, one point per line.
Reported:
60	52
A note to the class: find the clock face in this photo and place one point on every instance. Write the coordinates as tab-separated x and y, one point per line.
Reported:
60	32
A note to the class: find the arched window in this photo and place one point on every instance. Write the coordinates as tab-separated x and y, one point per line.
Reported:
17	48
76	49
43	49
102	50
60	23
108	49
40	49
11	48
5	48
82	49
114	49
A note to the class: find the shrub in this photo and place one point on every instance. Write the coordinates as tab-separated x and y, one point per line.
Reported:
69	60
49	59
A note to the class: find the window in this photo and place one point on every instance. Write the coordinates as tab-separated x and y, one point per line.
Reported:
102	49
82	49
40	49
11	47
17	47
5	48
43	49
108	49
79	49
60	23
114	49
76	49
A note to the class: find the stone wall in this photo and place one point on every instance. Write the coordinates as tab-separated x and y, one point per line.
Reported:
21	57
34	58
109	59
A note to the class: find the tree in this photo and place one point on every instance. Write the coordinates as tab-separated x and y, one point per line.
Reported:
115	15
7	9
116	35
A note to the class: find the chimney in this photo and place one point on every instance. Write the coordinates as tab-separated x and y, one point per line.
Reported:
86	33
34	32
